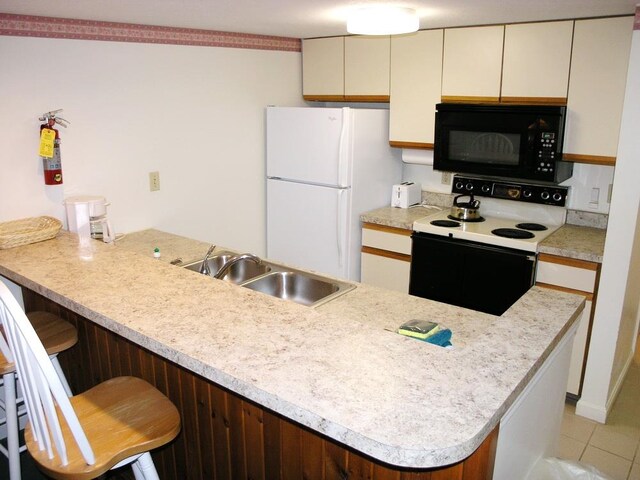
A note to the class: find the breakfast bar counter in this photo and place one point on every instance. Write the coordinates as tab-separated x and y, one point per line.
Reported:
338	370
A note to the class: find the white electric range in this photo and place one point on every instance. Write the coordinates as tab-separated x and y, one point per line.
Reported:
470	263
511	220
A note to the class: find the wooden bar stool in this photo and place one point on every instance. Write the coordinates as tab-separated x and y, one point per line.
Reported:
56	335
113	424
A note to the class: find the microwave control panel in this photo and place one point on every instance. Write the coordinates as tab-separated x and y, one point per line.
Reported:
511	190
546	153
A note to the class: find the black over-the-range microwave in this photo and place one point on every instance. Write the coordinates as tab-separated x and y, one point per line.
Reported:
513	141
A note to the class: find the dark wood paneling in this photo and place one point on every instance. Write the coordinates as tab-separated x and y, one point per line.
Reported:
224	436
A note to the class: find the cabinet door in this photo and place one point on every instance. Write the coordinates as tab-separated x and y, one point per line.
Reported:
385	272
323	69
536	62
596	89
416	83
386	257
579	277
366	68
472	64
578	351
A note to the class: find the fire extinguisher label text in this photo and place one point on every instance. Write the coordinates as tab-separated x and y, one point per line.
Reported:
47	137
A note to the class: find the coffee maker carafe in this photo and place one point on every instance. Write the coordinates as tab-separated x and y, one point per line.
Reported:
87	216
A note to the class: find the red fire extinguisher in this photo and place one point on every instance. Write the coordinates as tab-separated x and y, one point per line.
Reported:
50	147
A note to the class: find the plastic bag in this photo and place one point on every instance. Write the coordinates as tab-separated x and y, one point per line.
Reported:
558	469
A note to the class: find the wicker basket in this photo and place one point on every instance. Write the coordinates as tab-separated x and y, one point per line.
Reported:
28	230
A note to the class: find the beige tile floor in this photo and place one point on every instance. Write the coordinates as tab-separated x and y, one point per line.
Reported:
614	448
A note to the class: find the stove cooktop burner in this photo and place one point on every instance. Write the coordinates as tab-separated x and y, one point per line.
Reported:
474	220
445	223
534	227
512	233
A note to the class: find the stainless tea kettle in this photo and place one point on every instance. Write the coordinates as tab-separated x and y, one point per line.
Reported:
465	211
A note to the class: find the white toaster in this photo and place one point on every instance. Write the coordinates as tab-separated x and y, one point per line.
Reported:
406	194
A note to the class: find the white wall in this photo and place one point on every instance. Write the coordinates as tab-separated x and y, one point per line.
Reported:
195	114
616	314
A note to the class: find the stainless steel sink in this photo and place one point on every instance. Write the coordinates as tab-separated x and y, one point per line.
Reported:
276	280
238	273
299	287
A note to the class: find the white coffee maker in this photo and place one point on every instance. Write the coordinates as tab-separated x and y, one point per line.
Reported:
87	216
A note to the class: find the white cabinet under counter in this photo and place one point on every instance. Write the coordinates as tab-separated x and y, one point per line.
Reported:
579	277
386	257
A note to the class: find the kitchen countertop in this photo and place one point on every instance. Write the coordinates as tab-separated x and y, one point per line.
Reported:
335	369
570	241
574	241
397	217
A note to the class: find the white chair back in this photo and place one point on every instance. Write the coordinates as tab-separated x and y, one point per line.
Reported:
40	383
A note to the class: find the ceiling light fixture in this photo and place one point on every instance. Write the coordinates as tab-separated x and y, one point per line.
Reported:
382	20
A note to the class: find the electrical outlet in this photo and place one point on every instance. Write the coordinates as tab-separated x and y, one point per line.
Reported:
154	181
446	178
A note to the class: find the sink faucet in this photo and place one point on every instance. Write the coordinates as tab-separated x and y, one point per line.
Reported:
232	261
204	268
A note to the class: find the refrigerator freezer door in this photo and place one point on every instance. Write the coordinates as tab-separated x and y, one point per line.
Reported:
307	226
309	145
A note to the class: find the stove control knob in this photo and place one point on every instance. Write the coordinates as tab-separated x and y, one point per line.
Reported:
545	195
469	186
557	196
527	193
486	188
459	185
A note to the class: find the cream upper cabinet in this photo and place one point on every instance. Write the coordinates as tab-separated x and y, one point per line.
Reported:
416	83
536	62
596	88
472	64
323	67
366	67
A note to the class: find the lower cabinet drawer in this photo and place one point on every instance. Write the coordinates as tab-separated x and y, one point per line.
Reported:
387	238
576	275
385	272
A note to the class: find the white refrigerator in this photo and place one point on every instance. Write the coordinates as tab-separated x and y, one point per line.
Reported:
325	167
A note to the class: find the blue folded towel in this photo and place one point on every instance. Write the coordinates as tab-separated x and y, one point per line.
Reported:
441	338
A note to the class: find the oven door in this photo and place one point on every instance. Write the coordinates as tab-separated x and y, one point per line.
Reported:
469	274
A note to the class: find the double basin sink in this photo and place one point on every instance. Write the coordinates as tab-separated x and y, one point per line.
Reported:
276	280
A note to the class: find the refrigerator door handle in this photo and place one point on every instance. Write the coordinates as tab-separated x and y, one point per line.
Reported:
342	147
340	229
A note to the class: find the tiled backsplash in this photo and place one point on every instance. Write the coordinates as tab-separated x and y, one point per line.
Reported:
587	219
